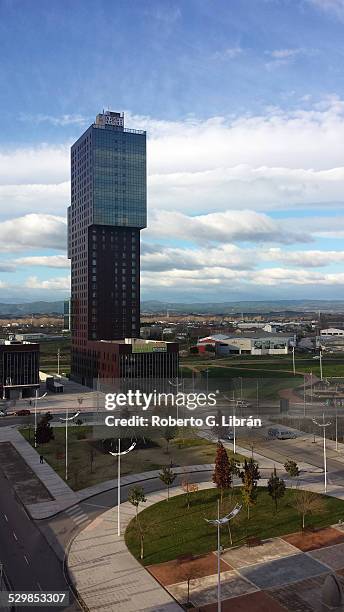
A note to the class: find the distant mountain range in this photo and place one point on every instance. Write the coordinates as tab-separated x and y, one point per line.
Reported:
216	308
31	308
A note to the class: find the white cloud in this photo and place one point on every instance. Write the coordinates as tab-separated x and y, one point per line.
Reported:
233	225
276	160
33	231
305	259
228	53
336	7
49	261
232	280
59	121
182	259
41	165
52	284
285	53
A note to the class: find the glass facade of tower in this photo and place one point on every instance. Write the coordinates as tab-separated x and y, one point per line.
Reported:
119	177
108	210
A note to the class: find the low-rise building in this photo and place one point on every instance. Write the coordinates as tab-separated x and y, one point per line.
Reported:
128	359
331	331
256	343
19	369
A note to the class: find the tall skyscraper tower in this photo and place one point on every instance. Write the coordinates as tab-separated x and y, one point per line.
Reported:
108	210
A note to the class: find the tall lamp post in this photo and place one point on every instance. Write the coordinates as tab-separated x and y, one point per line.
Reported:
294	369
66	420
176	384
219	522
324	425
118	455
234	415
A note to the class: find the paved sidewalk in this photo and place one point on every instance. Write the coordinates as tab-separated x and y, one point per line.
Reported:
62	494
64	497
106	575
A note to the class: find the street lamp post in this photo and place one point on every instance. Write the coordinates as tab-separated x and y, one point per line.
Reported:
58	362
234	414
320	363
176	384
324	425
294	370
219	522
118	455
66	420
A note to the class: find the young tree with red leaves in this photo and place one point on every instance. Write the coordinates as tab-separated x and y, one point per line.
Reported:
222	475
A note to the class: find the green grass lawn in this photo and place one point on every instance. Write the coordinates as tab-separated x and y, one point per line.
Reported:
48	355
265	366
82	452
172	530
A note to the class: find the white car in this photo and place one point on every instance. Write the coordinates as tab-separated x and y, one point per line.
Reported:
242	404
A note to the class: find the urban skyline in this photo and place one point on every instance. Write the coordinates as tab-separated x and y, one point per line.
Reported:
245	153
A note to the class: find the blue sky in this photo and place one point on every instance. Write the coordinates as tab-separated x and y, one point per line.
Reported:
243	103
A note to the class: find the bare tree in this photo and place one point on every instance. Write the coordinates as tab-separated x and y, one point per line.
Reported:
188	488
143	528
308	503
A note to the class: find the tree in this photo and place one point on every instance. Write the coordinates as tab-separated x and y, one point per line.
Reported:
307	502
44	431
142	528
91	455
276	487
167	476
291	468
222	475
192	570
169	434
234	466
188	488
76	472
218	429
136	497
249	476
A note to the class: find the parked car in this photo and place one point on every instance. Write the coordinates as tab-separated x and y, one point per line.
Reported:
230	436
2	413
242	404
286	434
272	433
22	412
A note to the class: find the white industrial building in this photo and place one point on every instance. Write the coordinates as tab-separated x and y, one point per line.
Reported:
331	331
255	343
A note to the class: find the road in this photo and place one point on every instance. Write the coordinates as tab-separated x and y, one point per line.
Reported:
29	562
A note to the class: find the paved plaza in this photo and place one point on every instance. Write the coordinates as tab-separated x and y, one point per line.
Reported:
272	577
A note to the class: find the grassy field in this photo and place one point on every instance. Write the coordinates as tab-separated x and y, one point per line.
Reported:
48	356
172	530
84	451
278	365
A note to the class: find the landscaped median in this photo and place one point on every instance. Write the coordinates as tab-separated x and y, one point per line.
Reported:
179	551
171	529
90	462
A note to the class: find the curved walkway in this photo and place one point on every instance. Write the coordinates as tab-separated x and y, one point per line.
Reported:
106	575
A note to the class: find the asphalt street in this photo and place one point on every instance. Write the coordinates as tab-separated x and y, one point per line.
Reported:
29	562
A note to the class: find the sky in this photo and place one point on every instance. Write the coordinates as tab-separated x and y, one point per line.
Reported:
243	103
